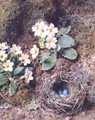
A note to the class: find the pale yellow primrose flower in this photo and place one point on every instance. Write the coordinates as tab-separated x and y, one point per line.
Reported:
52	30
34	51
8	66
35	29
43	29
51	42
3	55
16	49
4	46
40	29
28	76
24	59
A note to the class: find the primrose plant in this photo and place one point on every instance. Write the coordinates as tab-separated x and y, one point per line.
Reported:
51	43
15	67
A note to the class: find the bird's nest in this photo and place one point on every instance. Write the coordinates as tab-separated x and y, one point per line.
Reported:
77	86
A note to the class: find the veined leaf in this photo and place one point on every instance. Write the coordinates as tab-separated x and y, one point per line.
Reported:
3	79
29	68
18	70
1	68
66	41
44	56
12	89
64	31
70	54
49	62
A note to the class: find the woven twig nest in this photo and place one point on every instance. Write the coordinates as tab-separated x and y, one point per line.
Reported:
77	85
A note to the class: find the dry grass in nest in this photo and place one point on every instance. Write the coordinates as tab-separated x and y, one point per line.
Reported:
77	86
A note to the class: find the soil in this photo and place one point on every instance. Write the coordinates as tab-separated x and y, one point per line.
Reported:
83	31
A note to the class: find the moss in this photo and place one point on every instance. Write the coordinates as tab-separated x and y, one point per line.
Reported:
7	12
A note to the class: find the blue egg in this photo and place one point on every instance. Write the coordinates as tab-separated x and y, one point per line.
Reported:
62	95
65	92
60	92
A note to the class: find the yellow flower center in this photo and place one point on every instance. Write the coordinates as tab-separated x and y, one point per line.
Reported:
2	47
15	50
1	56
50	29
27	76
7	65
35	52
42	30
50	41
23	60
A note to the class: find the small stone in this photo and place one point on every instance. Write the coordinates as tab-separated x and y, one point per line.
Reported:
68	118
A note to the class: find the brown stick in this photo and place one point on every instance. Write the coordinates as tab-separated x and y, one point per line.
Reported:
9	101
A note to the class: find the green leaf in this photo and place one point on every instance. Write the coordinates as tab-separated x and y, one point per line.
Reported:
70	54
49	62
18	70
33	106
1	65
29	68
15	60
44	56
64	31
1	68
66	41
3	79
10	56
12	89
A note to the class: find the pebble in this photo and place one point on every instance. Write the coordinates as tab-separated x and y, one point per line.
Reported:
69	118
